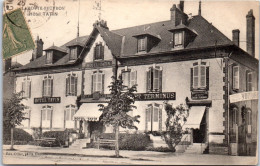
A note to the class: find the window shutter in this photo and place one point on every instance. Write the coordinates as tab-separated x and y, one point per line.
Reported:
23	89
51	87
29	89
139	45
160	119
160	80
92	84
202	76
101	52
146	119
65	118
196	77
103	83
51	118
133	78
95	53
207	78
67	86
191	79
148	80
76	85
43	82
41	120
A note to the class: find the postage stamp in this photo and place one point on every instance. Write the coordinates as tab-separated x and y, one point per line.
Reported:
17	37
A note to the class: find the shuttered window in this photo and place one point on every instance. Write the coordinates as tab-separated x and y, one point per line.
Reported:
47	113
129	78
154	79
70	112
71	85
235	77
142	44
99	52
26	88
153	117
98	81
49	57
200	76
47	86
249	81
73	53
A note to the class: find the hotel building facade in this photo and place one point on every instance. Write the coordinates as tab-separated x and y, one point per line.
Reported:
182	60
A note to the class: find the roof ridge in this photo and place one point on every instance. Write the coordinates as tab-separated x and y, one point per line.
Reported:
139	25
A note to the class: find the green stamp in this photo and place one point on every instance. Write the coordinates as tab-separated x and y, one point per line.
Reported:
17	37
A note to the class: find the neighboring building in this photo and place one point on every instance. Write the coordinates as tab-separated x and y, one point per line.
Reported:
181	60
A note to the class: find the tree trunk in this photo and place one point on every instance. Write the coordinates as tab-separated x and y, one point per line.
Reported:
12	138
117	141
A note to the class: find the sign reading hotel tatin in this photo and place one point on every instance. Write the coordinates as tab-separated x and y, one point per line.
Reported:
44	100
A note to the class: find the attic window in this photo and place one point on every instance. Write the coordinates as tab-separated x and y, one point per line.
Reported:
73	53
99	52
49	57
178	39
142	44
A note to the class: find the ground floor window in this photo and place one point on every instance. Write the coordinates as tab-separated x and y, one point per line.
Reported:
46	116
153	117
69	113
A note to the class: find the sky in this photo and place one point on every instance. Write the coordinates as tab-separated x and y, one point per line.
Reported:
62	27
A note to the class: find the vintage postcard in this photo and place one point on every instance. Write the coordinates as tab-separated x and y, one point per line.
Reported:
130	82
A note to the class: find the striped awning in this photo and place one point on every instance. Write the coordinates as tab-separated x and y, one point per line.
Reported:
195	116
88	112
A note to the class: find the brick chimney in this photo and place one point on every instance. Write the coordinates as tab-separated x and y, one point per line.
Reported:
38	51
177	14
235	36
250	33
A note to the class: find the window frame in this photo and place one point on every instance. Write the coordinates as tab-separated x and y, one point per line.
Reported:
47	113
178	39
49	57
69	90
101	54
131	76
197	75
152	110
26	88
142	44
70	108
47	87
155	80
249	84
73	53
96	82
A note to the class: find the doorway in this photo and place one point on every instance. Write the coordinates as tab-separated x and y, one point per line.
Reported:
95	129
199	135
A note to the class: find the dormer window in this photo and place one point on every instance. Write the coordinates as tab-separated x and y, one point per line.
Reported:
73	53
142	44
99	52
178	39
49	57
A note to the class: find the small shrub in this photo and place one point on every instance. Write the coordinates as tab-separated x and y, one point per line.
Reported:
19	136
61	137
128	141
134	142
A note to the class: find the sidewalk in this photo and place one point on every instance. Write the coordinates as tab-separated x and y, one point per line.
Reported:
133	157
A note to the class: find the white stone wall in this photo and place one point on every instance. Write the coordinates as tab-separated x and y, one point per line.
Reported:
59	89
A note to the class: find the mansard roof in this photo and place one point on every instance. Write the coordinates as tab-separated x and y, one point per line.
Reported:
123	43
